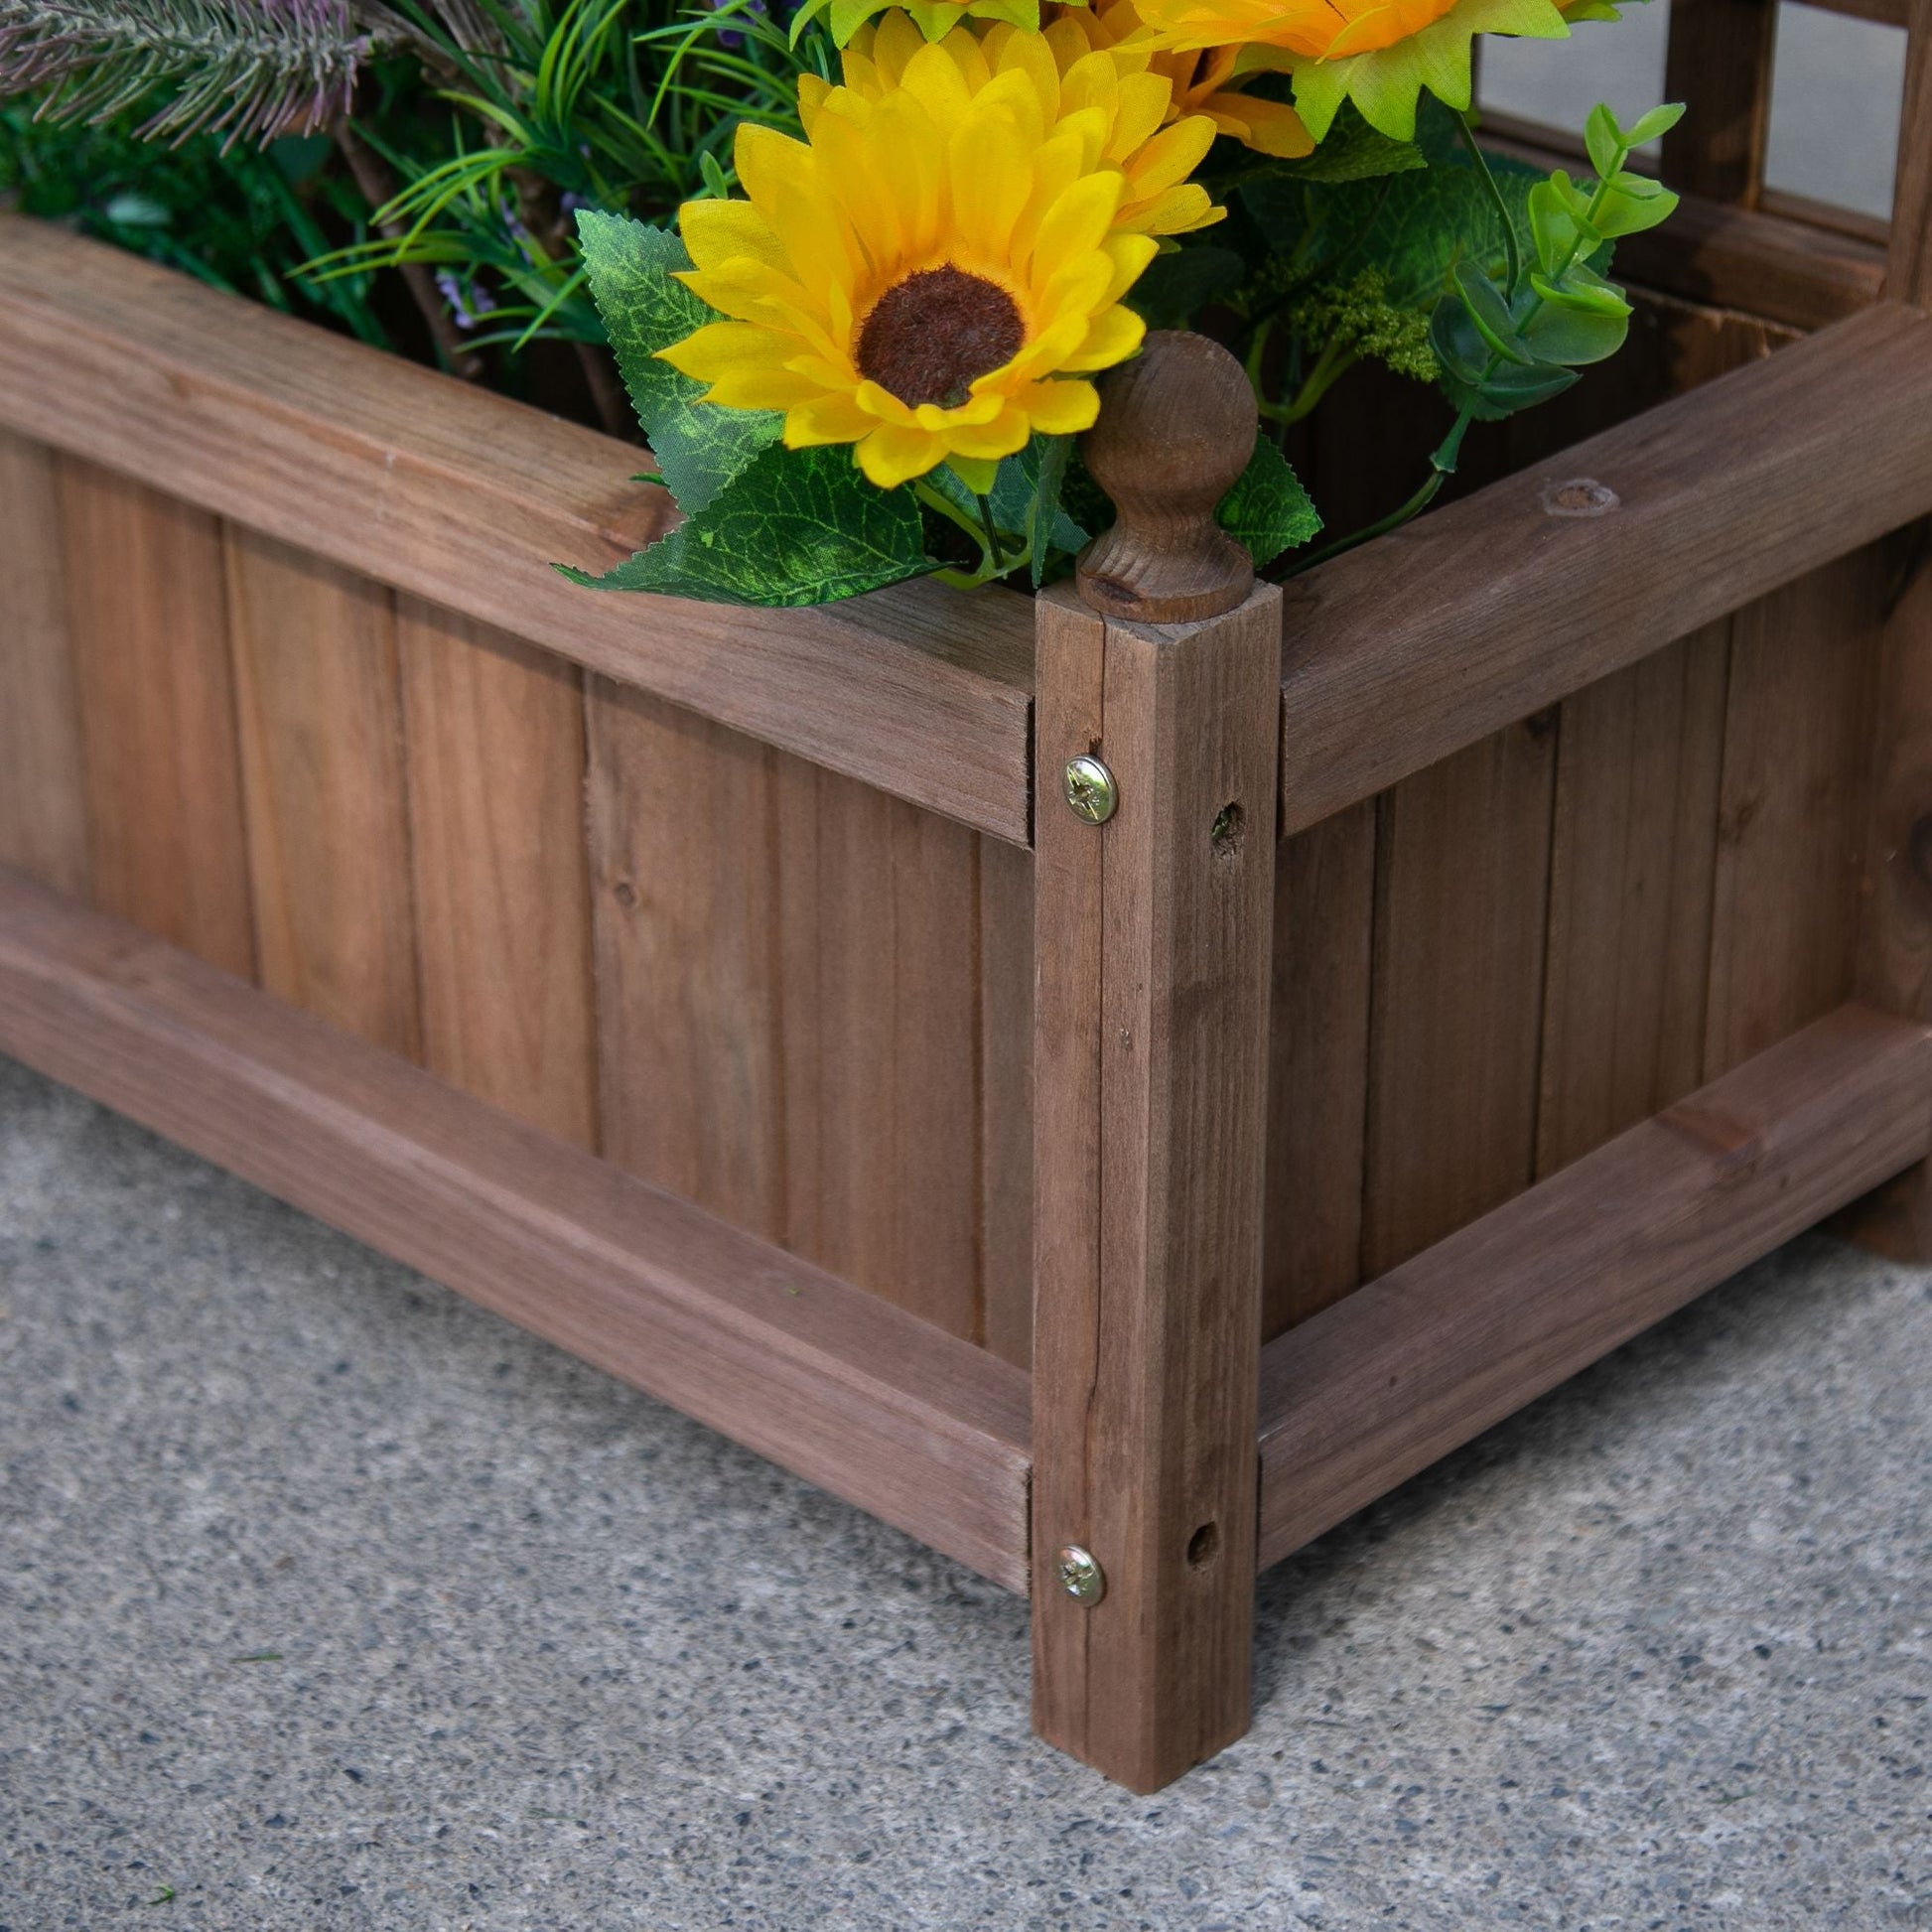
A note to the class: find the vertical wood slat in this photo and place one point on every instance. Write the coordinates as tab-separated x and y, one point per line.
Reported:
1006	1050
685	911
319	695
148	627
1910	279
1791	819
1722	55
813	1010
1152	946
880	1046
1461	884
1638	769
494	737
43	783
1317	1087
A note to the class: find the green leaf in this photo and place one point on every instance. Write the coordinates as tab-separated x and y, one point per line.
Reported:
1488	310
1354	151
1603	141
1624	213
699	446
1583	290
1654	125
1510	390
1174	287
1574	337
1268	512
1016	494
795	526
1558	233
1048	523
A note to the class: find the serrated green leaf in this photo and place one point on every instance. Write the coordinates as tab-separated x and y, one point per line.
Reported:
794	527
1268	512
1354	151
1014	494
1603	141
699	446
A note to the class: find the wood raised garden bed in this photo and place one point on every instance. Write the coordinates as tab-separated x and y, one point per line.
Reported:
728	996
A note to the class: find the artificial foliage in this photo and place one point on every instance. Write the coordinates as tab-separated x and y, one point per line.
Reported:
856	266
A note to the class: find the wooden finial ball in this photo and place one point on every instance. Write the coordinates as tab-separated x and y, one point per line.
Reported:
1177	428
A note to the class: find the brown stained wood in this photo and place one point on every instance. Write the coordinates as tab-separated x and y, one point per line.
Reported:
1722	54
42	786
1410	1368
466	500
1153	937
1006	1079
495	758
1177	425
1485	611
924	1431
1894	949
1910	278
882	1103
1318	1058
320	703
685	907
1638	766
148	627
1796	787
1460	895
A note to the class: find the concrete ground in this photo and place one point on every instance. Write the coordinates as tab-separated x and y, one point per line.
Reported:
329	1601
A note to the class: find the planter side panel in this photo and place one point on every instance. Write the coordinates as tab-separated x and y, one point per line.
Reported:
813	1012
1503	962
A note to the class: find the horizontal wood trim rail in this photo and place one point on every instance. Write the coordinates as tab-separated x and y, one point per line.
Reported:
921	1429
1377	1387
1403	652
467	498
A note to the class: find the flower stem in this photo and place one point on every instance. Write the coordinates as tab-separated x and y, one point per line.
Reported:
1512	252
1441	467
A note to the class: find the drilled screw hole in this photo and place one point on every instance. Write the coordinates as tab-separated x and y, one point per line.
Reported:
1226	835
1203	1545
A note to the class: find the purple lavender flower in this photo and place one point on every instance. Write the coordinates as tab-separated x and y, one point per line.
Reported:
730	36
468	304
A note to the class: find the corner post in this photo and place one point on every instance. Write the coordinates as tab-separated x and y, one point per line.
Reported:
1153	937
1896	931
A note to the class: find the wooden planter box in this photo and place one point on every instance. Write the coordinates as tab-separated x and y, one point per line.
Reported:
730	996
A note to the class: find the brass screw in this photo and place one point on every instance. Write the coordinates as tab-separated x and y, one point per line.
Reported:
1090	791
1080	1575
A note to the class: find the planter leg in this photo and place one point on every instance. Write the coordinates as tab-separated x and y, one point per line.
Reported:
1896	937
1153	940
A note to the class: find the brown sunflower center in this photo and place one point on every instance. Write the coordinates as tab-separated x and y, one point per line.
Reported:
928	337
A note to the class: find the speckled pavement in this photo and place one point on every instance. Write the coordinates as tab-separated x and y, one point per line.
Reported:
329	1601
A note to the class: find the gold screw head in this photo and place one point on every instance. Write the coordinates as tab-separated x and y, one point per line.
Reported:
1080	1575
1090	791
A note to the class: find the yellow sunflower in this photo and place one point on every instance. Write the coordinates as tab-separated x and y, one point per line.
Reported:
1379	53
931	274
1202	81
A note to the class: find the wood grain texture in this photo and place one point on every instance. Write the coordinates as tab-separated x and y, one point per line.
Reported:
1894	947
1485	611
1631	875
1006	1070
795	1027
1318	1066
42	786
495	760
1377	1387
1152	938
690	984
320	703
1461	882
148	627
1911	277
881	1108
1722	54
466	500
925	1432
1796	787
